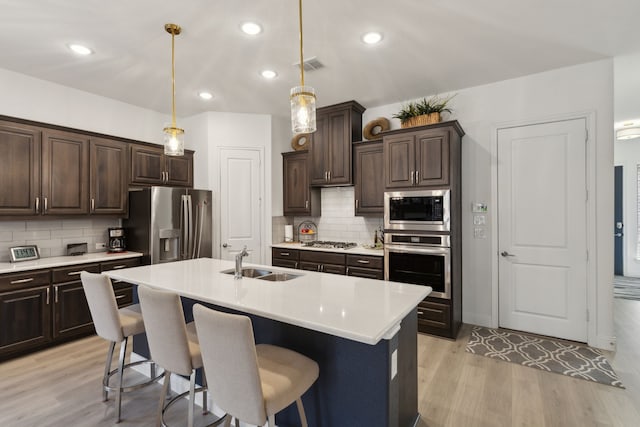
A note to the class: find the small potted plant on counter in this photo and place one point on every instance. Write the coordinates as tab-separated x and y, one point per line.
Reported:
424	112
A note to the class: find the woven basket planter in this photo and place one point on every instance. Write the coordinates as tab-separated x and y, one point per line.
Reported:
425	119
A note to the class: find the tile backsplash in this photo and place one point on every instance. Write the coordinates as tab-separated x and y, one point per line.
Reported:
337	221
52	236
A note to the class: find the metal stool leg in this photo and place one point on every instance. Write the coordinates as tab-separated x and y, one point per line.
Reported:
163	395
303	416
107	369
192	397
205	397
123	353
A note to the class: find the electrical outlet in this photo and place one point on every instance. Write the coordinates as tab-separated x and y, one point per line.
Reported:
100	245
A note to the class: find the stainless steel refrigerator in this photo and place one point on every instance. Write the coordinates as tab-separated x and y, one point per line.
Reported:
169	224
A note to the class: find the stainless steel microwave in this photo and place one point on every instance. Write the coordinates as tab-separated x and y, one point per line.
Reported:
420	210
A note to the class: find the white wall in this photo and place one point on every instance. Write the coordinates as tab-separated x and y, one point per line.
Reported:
481	110
281	143
33	99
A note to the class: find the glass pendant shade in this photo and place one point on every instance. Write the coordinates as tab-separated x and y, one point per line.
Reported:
303	109
173	141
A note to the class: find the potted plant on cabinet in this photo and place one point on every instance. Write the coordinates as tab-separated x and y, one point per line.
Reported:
423	112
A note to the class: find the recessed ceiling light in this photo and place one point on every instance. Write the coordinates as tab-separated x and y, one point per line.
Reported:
372	38
251	28
268	74
80	49
205	95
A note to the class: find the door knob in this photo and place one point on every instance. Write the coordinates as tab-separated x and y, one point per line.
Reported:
224	245
506	254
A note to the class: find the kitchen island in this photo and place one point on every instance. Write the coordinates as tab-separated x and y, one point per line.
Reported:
362	332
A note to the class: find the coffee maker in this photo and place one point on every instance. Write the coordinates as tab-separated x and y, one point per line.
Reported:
116	239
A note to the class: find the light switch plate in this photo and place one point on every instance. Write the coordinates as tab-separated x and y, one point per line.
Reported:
479	220
479	233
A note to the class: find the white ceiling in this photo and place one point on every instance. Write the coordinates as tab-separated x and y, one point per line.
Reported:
429	46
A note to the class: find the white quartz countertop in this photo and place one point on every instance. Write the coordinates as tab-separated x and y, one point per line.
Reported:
363	310
60	261
358	250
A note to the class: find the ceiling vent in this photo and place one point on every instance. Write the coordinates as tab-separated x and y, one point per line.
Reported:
310	64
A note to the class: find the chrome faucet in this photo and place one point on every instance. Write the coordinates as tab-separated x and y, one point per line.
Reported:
239	256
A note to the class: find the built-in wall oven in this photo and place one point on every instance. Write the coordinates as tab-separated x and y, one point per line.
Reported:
420	259
419	210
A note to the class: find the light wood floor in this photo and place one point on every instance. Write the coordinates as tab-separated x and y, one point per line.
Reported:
61	387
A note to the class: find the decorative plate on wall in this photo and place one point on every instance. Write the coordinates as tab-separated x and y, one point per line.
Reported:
374	127
300	141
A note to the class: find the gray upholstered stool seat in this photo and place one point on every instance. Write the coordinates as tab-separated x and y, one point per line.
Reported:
116	326
173	346
250	382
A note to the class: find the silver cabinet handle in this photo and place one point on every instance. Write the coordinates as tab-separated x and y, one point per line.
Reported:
37	204
74	273
120	296
285	254
319	267
363	261
46	208
506	254
412	177
296	265
17	282
306	204
116	267
48	291
326	175
56	294
329	176
417	176
93	205
420	313
356	203
347	271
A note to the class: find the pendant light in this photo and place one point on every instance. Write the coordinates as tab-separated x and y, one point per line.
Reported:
173	135
303	98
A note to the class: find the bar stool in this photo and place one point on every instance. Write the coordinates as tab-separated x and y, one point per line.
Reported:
250	382
173	345
116	326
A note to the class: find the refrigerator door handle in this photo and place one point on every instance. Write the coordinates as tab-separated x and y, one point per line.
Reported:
194	238
190	227
203	210
184	219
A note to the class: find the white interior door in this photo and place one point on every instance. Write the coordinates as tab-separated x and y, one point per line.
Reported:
241	203
542	228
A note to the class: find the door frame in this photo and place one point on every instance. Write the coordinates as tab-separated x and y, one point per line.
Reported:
263	224
592	283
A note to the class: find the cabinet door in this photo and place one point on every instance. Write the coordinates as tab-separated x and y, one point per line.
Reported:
367	273
25	319
71	311
179	170
432	156
310	266
287	263
399	159
108	169
65	173
339	148
296	192
19	169
318	146
368	179
147	165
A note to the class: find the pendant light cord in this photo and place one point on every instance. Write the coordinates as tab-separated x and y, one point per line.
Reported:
173	80
301	56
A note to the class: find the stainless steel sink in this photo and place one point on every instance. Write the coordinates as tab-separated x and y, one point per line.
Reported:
279	277
249	272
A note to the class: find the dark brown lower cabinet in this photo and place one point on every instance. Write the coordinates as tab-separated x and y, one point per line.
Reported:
369	267
71	311
434	317
366	266
325	262
25	319
288	258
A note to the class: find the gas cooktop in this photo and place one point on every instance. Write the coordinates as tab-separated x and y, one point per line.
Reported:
330	245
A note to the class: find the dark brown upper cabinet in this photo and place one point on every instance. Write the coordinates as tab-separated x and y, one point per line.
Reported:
368	179
330	146
298	198
65	173
108	170
419	157
149	166
20	150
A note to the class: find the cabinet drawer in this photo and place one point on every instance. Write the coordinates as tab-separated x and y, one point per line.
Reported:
334	269
22	280
365	261
124	294
68	274
287	263
434	314
121	263
368	273
322	257
281	253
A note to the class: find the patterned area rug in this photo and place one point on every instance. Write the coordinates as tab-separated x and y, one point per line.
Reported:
547	355
626	287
